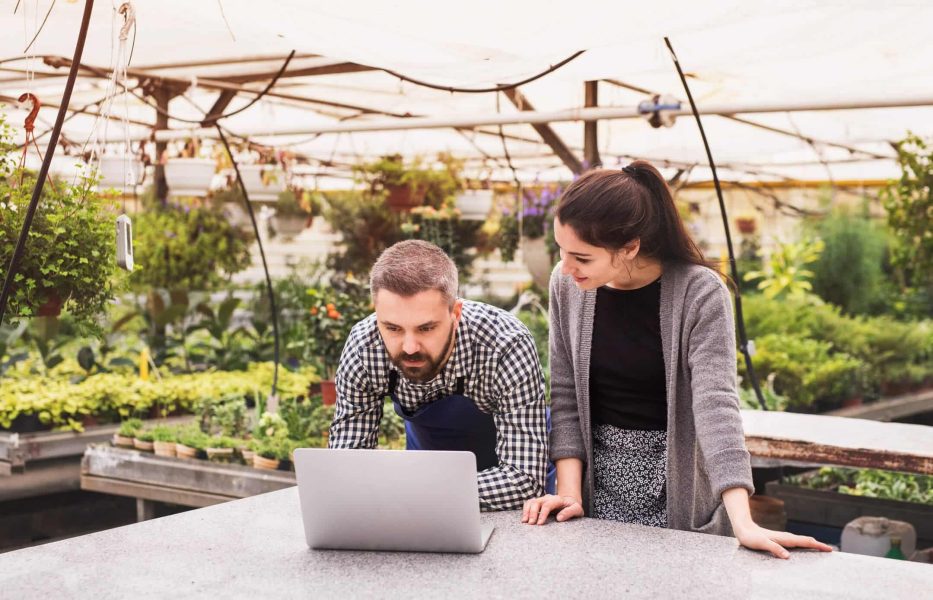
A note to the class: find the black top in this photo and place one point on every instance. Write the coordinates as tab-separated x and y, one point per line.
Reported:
627	388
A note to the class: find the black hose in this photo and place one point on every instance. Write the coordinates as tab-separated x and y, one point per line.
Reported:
739	318
44	169
262	253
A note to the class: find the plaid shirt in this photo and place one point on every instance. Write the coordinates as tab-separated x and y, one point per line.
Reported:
496	354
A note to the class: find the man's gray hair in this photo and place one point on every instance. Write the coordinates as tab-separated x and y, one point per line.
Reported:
414	266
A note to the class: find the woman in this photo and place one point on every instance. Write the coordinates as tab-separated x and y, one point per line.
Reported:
645	415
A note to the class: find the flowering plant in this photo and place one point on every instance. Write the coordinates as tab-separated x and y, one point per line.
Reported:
330	317
532	221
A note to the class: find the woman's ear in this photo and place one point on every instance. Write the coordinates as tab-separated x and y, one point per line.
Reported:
630	251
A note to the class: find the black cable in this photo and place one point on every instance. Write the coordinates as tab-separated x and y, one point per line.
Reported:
44	169
262	253
733	267
497	88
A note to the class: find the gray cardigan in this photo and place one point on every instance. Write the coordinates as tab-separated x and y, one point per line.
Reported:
705	440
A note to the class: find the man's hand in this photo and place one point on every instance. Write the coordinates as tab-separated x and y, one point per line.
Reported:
536	510
755	537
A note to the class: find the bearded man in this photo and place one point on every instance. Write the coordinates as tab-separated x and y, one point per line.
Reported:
463	375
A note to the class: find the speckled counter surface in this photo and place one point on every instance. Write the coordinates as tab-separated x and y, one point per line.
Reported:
255	548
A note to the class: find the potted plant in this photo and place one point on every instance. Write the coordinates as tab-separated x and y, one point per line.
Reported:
474	204
220	448
330	317
122	173
190	442
746	224
292	213
191	172
69	261
128	429
529	227
163	440
144	440
266	179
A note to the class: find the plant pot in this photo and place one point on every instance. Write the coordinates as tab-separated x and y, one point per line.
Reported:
189	176
852	402
52	307
403	198
260	462
119	173
328	392
537	260
183	451
222	455
746	225
122	441
247	455
164	448
288	226
474	205
263	183
144	446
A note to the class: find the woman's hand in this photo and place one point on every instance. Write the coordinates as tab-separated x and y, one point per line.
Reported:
536	510
755	537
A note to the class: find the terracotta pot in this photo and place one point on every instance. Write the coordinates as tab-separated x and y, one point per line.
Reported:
164	448
328	392
122	441
183	451
52	306
219	454
247	455
403	198
265	463
144	446
746	225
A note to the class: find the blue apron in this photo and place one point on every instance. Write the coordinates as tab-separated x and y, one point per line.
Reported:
454	423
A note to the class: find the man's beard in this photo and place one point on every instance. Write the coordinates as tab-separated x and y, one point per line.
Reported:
431	367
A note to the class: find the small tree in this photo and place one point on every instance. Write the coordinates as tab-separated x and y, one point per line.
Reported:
909	204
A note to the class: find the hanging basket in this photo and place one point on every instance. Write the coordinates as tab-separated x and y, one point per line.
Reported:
288	226
746	225
119	173
537	260
189	176
263	183
474	205
403	198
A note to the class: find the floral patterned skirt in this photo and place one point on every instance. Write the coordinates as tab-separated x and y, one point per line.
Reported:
629	475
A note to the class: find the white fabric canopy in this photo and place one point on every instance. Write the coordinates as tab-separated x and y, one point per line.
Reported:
735	52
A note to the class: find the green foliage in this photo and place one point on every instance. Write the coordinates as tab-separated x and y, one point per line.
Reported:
330	316
849	271
909	204
894	354
437	184
112	397
164	433
130	427
805	370
788	275
532	220
368	227
773	401
444	229
186	248
70	253
537	323
870	483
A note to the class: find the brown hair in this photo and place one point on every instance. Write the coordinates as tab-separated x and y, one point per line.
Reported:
414	266
609	209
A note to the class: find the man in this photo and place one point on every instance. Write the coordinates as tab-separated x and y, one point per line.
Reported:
463	375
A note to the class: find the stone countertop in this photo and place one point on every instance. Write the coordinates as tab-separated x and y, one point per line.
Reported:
255	548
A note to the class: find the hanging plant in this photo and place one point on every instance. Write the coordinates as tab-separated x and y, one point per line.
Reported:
69	259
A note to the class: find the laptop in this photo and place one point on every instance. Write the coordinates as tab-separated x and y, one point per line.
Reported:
412	501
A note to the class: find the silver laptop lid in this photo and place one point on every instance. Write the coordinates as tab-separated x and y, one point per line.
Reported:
389	500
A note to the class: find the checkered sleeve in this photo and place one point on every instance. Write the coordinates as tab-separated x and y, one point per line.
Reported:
522	431
359	407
